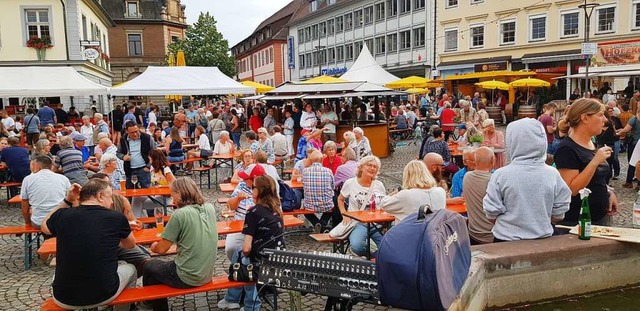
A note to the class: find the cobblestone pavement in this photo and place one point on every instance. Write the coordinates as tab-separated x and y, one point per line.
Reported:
26	290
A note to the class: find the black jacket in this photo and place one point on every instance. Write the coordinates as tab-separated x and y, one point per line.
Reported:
146	146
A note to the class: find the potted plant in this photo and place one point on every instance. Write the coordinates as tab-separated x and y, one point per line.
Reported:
41	44
476	139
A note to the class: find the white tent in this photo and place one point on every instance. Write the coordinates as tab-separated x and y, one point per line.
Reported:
365	68
44	81
181	80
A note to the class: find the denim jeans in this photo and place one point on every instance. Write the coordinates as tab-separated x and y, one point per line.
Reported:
235	136
631	169
359	236
176	159
251	301
144	178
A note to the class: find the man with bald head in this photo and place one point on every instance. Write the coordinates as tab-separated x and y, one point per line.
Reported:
318	191
435	163
475	185
468	159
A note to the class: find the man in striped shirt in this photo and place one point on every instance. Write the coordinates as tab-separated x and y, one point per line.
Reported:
318	188
69	161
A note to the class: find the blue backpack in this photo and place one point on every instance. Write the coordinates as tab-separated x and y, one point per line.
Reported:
424	260
288	197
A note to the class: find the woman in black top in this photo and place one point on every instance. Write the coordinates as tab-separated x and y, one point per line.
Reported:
583	165
263	228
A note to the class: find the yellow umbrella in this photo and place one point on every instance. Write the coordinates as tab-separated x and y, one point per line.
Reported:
493	85
417	90
530	82
409	82
173	62
325	79
260	88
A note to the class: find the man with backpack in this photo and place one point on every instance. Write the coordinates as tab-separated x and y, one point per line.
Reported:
318	191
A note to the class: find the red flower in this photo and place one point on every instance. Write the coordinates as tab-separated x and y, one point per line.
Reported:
43	42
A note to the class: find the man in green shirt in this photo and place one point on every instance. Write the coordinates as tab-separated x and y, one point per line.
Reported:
193	228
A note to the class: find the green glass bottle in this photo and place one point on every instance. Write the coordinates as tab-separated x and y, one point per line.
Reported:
584	223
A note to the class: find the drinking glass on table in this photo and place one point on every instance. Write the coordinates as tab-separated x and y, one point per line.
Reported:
158	212
226	213
134	181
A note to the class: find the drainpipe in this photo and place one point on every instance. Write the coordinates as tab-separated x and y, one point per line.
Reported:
435	36
64	19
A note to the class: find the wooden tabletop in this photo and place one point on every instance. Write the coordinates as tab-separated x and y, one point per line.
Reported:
294	184
379	216
227	187
148	236
189	146
130	193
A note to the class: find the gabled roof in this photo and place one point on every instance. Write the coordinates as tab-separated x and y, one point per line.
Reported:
305	10
280	32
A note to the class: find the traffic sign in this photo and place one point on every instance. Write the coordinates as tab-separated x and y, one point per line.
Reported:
589	48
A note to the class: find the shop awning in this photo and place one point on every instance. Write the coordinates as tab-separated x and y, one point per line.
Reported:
491	74
557	56
254	97
281	97
44	81
181	80
619	74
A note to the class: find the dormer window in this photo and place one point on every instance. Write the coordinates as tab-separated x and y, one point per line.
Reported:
313	5
132	9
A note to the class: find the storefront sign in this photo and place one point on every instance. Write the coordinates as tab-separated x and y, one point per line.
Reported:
91	54
618	53
490	67
291	52
561	69
334	71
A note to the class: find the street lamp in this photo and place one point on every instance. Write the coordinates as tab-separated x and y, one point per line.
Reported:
588	10
318	48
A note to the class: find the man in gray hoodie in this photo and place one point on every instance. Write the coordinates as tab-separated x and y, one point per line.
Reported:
526	196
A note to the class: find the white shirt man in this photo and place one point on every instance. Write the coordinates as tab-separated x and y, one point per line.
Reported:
42	191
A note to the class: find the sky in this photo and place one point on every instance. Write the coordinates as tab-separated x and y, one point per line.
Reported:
237	19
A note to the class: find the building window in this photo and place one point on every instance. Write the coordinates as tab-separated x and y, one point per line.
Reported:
323	29
132	9
418	37
538	28
507	32
368	15
418	4
38	23
477	36
314	31
339	24
635	22
175	39
340	53
135	44
307	34
451	3
605	19
348	52
313	5
314	58
357	46
369	43
348	21
331	55
476	1
307	60
405	6
330	2
300	36
392	8
380	12
380	45
84	27
331	27
357	19
405	40
451	40
392	43
570	24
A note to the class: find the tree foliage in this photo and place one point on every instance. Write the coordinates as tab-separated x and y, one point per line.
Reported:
205	46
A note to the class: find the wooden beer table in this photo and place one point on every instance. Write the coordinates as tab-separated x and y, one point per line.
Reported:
220	159
164	192
366	217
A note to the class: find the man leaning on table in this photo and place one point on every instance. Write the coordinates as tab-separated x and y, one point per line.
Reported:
89	236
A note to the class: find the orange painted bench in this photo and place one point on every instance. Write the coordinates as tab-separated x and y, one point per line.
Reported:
27	232
15	200
10	184
297	212
131	295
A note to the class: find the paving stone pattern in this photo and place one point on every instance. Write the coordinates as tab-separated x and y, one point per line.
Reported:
26	290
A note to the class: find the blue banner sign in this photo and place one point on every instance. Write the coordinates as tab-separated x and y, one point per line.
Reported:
291	52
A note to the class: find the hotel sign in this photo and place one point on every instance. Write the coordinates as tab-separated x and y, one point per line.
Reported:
291	52
618	53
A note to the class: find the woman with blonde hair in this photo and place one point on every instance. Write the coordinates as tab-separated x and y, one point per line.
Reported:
42	147
583	164
418	188
361	191
193	229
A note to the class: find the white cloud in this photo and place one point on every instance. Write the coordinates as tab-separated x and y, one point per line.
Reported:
237	19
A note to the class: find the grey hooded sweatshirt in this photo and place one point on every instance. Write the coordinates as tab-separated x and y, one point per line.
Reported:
523	196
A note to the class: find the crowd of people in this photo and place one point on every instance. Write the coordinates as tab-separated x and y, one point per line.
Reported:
68	176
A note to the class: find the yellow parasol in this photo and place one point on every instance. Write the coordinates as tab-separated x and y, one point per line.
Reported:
530	82
260	88
493	85
172	61
412	81
417	90
324	79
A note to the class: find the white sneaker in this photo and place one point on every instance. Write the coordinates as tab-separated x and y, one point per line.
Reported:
223	304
